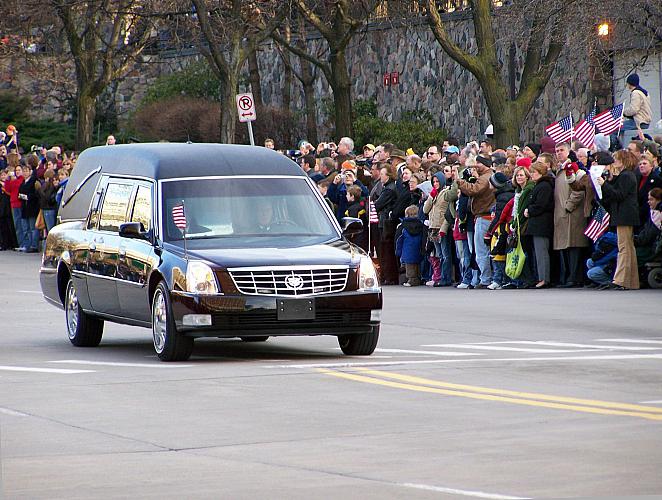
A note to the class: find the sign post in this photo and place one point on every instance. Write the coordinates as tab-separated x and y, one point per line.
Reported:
246	111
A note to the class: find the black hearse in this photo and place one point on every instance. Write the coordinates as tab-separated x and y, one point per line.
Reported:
205	240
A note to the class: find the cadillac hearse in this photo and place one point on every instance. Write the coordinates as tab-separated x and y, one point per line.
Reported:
205	240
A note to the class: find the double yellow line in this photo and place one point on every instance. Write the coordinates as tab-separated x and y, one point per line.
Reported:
419	384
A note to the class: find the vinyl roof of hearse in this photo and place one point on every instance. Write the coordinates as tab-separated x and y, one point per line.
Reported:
169	160
166	161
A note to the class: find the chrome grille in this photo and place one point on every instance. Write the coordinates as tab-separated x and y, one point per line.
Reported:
292	281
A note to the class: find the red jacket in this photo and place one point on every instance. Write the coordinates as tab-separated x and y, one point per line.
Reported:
11	187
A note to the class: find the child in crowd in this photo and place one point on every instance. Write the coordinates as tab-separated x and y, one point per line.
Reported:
356	207
409	245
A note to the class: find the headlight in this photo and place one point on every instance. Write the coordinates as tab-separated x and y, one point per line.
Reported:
200	278
367	275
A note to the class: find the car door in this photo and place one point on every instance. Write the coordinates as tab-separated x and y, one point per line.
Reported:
136	257
104	247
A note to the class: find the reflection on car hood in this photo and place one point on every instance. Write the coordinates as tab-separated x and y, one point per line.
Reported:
334	253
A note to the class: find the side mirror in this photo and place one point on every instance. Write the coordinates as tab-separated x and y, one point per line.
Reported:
134	230
351	226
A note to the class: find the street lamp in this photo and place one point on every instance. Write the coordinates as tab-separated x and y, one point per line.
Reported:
603	30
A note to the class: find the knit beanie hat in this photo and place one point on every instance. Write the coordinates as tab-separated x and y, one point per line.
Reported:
604	158
633	80
485	161
534	147
548	145
498	180
525	162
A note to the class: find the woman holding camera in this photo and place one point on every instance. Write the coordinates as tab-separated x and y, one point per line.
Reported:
620	197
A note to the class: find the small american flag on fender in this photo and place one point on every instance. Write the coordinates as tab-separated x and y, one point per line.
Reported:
598	225
179	216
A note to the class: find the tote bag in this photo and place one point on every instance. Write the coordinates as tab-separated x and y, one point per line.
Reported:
515	258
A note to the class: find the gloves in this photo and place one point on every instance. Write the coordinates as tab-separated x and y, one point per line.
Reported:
441	234
571	169
434	192
573	156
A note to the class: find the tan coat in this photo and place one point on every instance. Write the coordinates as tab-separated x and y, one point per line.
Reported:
639	107
436	208
581	181
569	219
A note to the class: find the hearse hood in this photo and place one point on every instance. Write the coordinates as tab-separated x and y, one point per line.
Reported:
335	253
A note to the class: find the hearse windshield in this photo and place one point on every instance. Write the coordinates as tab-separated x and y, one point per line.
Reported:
241	212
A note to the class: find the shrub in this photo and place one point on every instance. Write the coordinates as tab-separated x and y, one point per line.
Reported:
415	130
13	108
283	126
196	80
178	119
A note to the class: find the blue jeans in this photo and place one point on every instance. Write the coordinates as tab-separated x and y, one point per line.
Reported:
500	277
21	229
482	251
33	234
597	274
469	276
446	263
630	124
49	219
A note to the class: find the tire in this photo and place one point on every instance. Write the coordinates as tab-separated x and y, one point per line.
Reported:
168	344
255	339
83	330
362	344
655	277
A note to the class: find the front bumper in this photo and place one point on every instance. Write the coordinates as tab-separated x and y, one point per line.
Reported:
247	315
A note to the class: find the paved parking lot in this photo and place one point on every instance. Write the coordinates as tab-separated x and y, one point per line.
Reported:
471	393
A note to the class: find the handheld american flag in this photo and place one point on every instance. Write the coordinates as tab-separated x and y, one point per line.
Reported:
609	121
598	225
561	131
179	216
585	131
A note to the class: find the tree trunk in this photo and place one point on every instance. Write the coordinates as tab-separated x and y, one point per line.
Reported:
504	113
308	80
229	85
506	132
342	95
86	112
254	77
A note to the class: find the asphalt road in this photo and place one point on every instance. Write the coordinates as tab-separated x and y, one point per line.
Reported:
471	393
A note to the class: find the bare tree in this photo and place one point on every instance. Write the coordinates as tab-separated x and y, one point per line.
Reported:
229	31
337	21
105	37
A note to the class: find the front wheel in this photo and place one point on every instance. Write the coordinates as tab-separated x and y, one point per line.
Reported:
168	344
362	344
83	330
655	277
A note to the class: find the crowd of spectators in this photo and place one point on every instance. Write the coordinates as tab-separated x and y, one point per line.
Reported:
450	216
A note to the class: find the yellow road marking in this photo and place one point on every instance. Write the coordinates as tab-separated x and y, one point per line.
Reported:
487	397
527	395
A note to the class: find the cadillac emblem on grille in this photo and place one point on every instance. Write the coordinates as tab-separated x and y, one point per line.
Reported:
294	282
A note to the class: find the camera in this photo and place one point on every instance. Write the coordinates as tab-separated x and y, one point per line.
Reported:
466	175
605	174
363	162
293	153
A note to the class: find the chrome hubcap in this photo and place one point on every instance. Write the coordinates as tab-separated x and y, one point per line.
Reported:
71	311
159	321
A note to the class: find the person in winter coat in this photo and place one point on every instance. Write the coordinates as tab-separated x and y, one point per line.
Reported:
496	233
463	233
7	234
602	263
357	208
540	225
620	197
384	206
28	194
409	241
337	191
63	176
435	207
648	242
12	184
482	199
47	203
407	195
638	111
569	221
647	179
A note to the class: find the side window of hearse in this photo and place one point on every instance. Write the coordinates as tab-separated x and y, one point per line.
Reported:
142	207
115	206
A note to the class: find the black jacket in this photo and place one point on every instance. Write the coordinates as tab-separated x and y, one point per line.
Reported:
620	198
502	196
384	204
541	209
47	194
653	181
30	206
405	198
